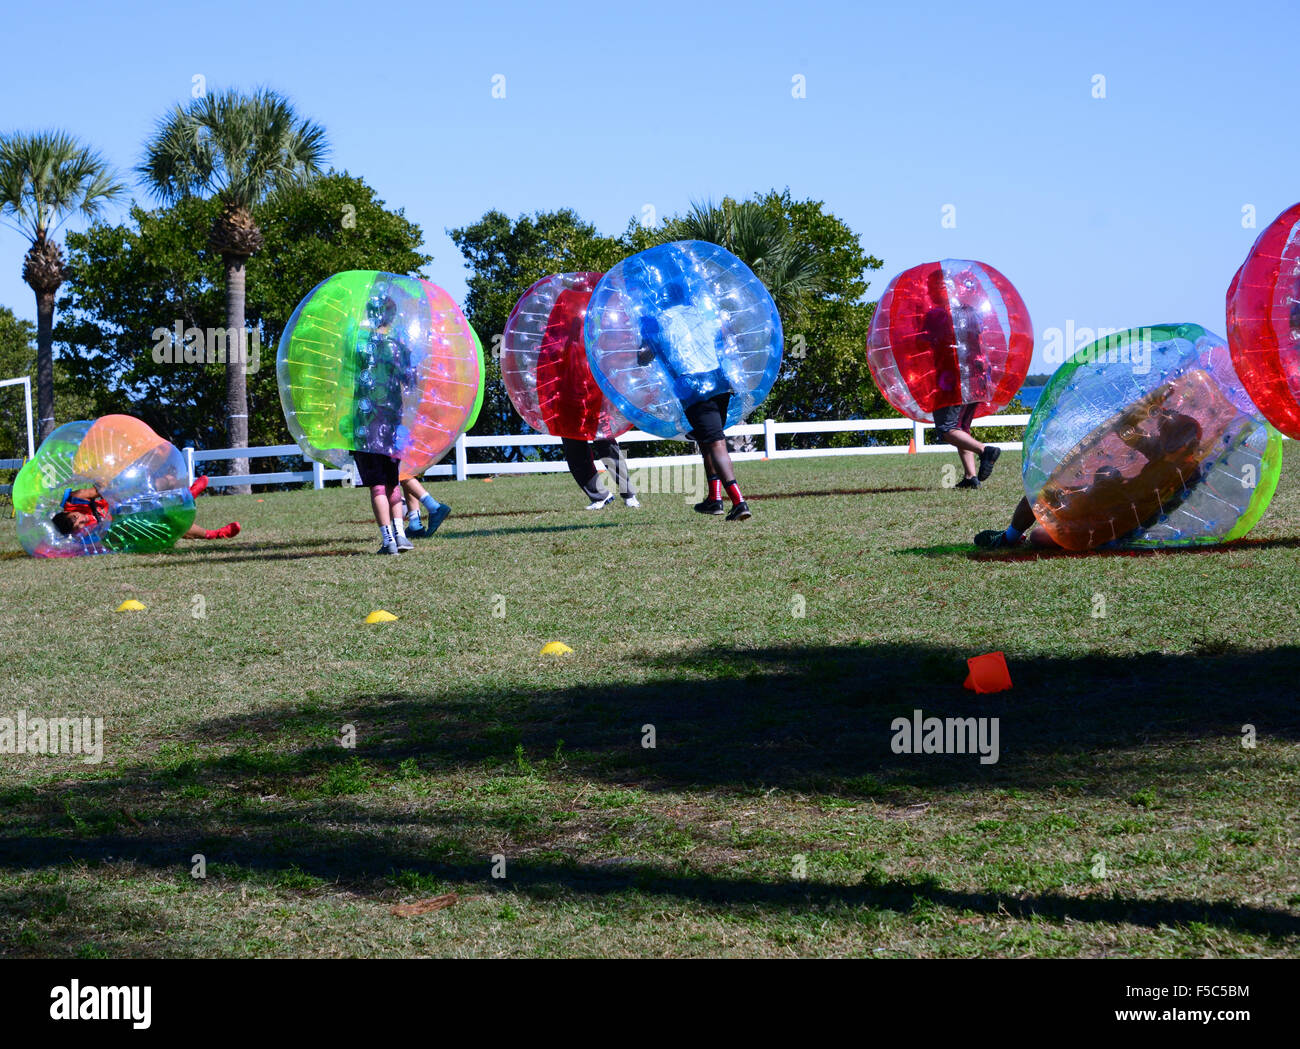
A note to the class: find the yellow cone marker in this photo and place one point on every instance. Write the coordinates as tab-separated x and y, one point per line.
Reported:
555	648
129	605
380	616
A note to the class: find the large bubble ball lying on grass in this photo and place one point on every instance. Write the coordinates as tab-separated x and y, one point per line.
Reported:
1264	322
677	324
139	475
950	333
544	361
1147	438
377	362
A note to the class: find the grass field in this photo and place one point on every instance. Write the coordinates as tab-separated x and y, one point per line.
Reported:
1124	816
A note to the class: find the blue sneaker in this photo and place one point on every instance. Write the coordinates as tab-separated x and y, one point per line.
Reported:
436	517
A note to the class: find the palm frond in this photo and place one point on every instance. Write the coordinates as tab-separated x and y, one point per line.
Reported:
48	176
237	147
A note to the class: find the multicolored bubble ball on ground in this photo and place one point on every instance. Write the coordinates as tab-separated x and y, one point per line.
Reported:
378	362
140	476
677	324
544	362
950	333
1147	438
1264	322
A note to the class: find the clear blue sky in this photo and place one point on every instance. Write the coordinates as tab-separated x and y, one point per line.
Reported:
1119	211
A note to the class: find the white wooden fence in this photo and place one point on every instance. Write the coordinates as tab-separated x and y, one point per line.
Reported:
459	466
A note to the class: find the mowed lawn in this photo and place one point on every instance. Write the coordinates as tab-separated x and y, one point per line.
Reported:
1124	816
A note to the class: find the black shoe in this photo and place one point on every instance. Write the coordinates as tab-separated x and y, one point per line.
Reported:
992	539
968	482
739	512
709	506
987	458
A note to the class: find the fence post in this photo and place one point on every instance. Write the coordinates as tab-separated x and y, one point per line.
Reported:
769	438
918	435
317	475
27	405
189	462
462	472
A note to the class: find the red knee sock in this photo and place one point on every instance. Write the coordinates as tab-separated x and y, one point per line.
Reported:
227	532
715	489
733	492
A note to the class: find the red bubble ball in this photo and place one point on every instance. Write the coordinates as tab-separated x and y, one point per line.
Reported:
1264	322
950	333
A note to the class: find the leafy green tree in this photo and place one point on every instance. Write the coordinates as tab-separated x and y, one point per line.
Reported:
237	149
506	258
18	358
133	281
45	178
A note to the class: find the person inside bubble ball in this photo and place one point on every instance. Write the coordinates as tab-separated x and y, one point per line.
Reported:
952	328
1169	442
581	458
377	470
689	339
84	510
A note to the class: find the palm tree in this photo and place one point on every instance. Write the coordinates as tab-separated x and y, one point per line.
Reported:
763	240
238	148
45	178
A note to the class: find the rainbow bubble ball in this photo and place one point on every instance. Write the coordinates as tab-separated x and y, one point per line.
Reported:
141	476
378	362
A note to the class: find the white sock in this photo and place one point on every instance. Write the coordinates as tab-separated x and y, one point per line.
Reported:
399	527
386	535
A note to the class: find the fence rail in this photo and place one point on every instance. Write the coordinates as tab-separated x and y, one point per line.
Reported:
459	466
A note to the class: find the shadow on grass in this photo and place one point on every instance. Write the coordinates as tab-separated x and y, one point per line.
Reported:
809	719
1028	552
368	864
765	498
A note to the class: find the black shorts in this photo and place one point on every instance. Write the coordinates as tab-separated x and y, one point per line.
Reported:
708	419
954	417
376	469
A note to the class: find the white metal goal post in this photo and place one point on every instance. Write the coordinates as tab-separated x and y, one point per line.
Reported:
16	464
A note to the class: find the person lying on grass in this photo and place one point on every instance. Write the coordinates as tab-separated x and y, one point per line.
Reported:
1166	443
84	510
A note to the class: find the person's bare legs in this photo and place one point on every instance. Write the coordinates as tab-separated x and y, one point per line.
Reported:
967	450
1022	520
381	503
228	532
417	496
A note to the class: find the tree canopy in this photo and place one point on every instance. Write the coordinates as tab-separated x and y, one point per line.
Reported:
155	270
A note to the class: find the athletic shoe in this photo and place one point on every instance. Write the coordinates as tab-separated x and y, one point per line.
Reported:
403	543
740	512
632	503
993	539
389	548
600	504
987	458
968	482
199	484
710	506
436	518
